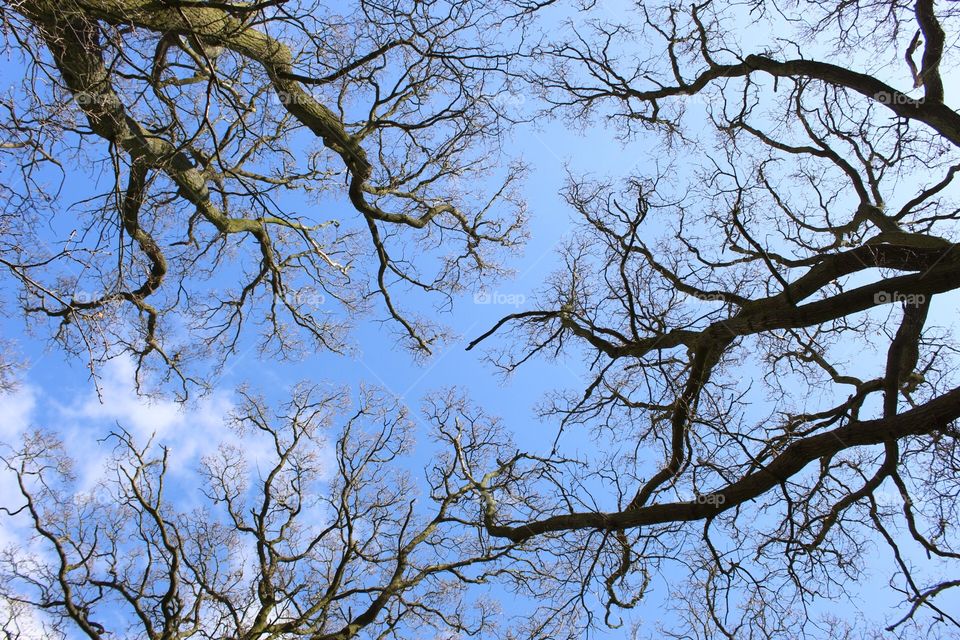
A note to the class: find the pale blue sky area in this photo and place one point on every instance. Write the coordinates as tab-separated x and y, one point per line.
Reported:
56	391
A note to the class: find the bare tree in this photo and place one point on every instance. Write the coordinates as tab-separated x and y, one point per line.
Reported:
771	395
305	526
198	165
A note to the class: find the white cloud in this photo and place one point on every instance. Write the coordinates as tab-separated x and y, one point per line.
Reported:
82	421
145	416
188	431
16	412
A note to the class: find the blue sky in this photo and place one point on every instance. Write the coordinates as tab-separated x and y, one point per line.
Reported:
56	392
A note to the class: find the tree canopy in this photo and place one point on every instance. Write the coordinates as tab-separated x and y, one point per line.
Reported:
764	308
